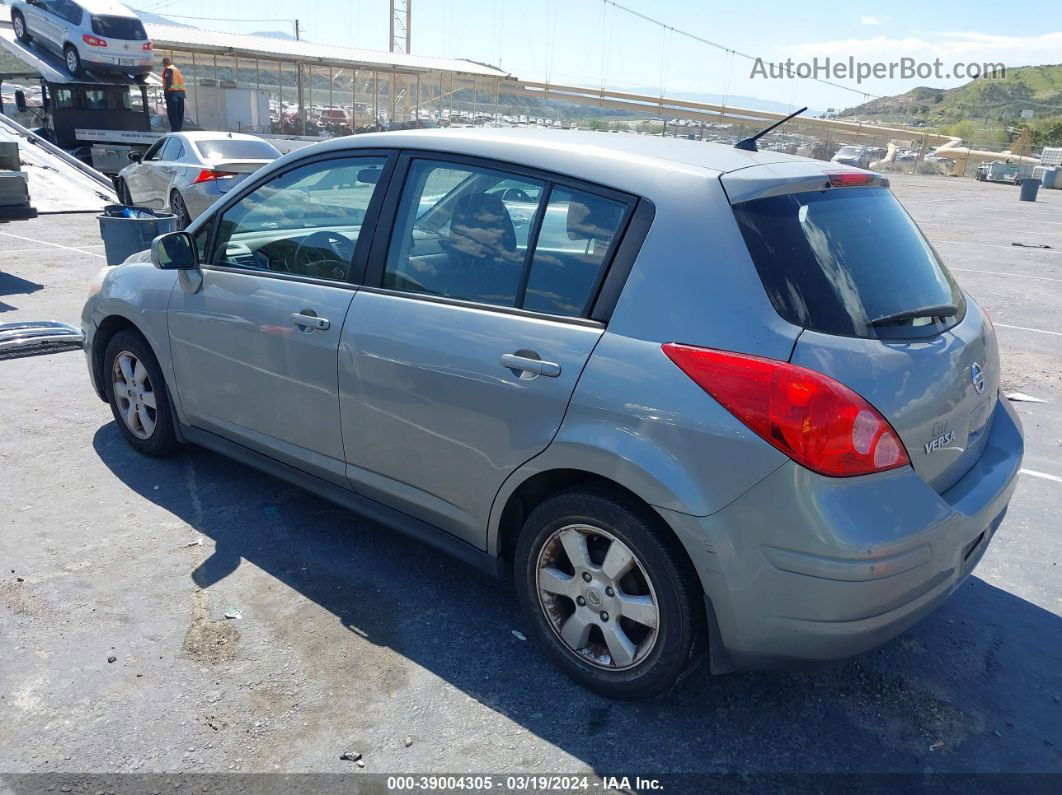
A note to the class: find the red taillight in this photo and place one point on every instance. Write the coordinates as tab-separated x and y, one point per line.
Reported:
93	41
148	46
849	179
818	422
209	174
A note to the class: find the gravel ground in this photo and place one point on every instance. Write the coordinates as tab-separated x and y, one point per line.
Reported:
117	572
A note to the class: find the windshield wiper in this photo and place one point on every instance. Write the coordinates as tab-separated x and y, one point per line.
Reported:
940	310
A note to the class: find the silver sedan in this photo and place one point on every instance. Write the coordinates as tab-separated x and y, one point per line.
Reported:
185	173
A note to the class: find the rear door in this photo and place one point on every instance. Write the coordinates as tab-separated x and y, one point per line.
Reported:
460	354
880	312
139	179
45	22
163	172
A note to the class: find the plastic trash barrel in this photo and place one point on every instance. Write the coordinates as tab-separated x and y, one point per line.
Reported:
1050	178
128	230
1029	188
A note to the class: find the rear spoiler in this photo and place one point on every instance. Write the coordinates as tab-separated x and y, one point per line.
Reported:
784	178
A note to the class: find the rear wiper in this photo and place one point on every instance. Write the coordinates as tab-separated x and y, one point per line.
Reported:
940	310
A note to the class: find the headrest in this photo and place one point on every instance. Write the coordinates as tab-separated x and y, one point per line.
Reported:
481	227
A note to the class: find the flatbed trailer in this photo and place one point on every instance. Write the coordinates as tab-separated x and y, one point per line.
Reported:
95	118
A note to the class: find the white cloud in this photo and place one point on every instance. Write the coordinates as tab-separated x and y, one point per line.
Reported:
873	20
950	47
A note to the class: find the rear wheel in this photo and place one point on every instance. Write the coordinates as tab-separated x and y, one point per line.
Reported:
137	393
615	605
122	189
19	24
180	209
72	59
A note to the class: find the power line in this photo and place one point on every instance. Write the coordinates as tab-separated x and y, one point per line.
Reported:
722	47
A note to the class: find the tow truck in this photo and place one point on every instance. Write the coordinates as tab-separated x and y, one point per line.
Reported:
98	120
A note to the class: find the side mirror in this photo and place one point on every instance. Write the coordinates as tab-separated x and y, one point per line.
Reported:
135	156
175	251
20	101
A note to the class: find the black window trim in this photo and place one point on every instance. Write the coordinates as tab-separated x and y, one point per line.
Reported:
356	268
595	313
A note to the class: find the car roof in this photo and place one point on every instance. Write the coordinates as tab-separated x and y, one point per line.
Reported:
578	153
207	135
108	7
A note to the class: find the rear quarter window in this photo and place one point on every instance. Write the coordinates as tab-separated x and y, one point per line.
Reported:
836	261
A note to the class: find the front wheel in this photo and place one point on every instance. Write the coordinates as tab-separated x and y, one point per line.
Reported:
19	24
137	393
72	59
613	601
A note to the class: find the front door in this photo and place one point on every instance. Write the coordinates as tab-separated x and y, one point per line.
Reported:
254	348
458	365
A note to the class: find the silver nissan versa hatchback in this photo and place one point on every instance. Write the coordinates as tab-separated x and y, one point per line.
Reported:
698	402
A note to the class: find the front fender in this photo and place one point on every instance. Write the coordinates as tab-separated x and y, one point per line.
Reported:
139	293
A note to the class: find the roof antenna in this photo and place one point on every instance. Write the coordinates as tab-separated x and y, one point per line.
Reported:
749	144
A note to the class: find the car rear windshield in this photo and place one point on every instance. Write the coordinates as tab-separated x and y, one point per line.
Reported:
119	28
224	149
836	261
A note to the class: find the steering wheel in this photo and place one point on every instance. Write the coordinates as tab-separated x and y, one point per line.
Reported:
307	260
517	195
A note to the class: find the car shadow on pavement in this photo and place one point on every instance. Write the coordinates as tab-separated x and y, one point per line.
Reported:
15	285
974	687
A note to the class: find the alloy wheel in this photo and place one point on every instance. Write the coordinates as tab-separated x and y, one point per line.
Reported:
134	394
597	597
181	211
71	61
20	27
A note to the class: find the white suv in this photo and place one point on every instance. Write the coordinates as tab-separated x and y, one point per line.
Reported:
93	35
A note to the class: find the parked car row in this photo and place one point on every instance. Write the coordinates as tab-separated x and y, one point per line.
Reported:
737	411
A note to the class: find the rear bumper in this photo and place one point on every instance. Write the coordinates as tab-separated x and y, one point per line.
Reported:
109	67
804	568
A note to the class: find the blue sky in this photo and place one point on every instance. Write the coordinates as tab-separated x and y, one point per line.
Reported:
586	42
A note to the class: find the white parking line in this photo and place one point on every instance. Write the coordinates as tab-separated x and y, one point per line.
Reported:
1000	273
26	250
54	245
1026	328
978	228
1043	475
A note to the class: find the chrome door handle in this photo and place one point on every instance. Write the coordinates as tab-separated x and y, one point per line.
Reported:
310	321
528	365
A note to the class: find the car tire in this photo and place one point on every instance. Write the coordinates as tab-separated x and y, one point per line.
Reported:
72	59
180	209
122	189
634	659
131	391
18	22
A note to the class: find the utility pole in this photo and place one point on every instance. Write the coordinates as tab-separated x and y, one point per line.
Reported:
401	25
297	35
